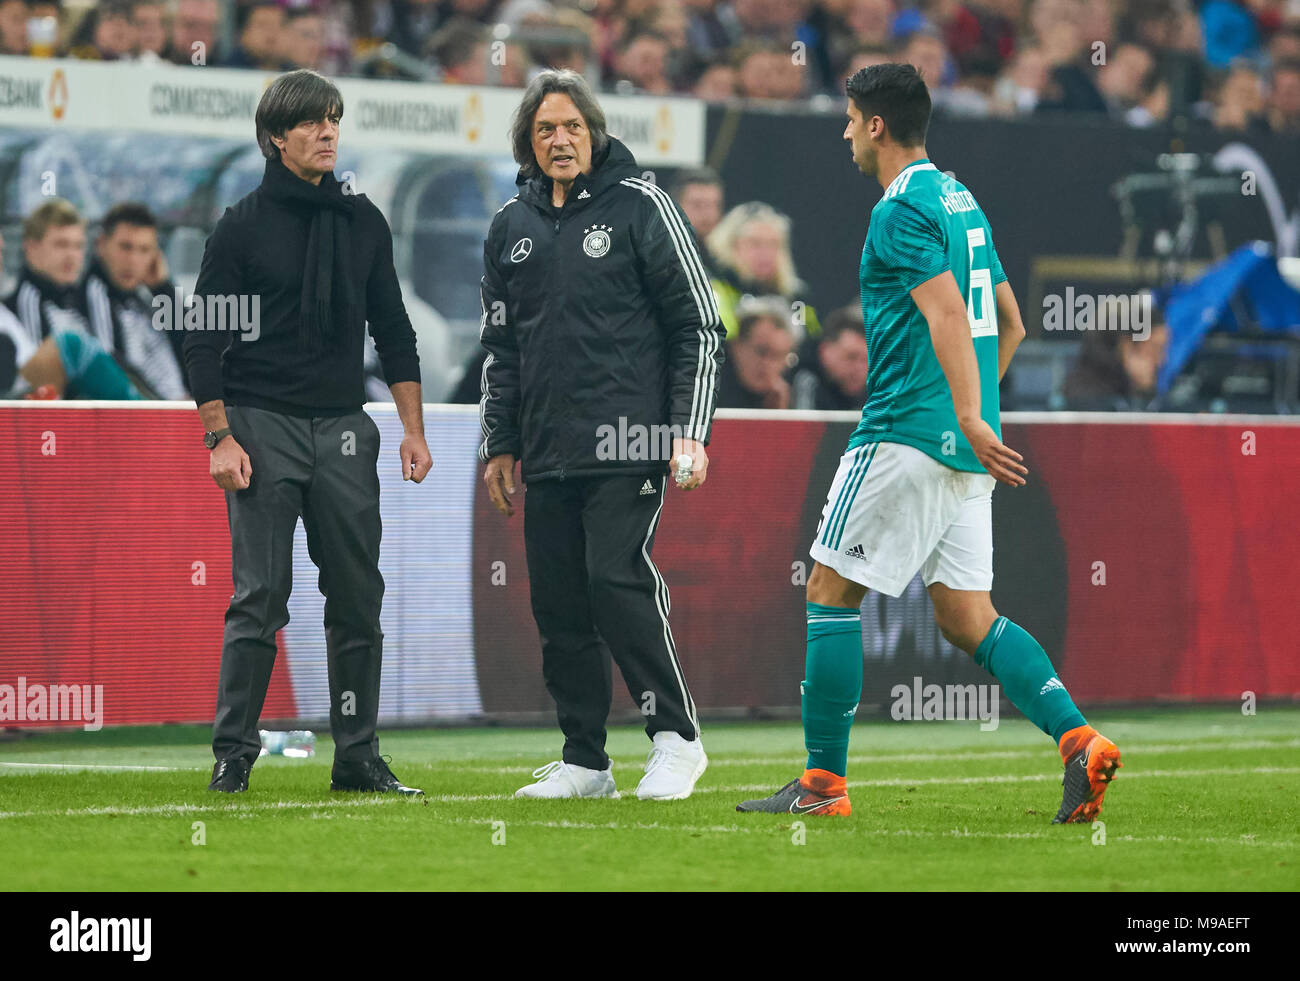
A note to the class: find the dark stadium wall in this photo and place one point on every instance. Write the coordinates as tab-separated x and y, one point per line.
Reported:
1045	185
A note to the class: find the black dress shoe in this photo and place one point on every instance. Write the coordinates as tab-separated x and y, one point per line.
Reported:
371	776
230	776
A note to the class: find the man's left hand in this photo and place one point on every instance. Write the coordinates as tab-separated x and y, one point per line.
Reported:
699	462
416	461
156	274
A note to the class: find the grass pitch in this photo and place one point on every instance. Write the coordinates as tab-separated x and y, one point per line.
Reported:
1206	800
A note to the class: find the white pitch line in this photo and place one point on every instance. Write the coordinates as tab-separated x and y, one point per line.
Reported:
77	767
714	762
164	810
1046	752
1027	777
838	828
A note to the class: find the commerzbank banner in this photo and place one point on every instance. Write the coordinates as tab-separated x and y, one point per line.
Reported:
80	95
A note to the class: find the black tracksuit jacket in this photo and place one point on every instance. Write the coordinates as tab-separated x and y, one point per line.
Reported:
596	316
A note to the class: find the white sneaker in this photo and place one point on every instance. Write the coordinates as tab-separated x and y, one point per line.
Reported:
672	768
559	779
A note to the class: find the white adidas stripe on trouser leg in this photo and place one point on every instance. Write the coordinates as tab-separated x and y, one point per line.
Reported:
664	605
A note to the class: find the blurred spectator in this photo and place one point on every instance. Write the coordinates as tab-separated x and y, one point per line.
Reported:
45	298
105	33
671	21
194	33
1126	78
411	22
863	57
259	26
767	71
715	83
13	27
753	374
925	51
562	38
1114	372
982	32
1283	110
68	361
1284	46
1070	52
302	39
641	65
15	342
751	251
149	19
1022	84
460	50
700	194
832	370
870	21
1239	102
127	272
1229	29
706	30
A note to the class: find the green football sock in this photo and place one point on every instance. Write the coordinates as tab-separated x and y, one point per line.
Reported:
832	684
1020	664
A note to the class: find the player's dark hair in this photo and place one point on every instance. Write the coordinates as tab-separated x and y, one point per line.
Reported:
897	94
127	213
293	98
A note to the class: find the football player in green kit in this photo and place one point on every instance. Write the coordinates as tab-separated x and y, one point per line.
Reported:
913	492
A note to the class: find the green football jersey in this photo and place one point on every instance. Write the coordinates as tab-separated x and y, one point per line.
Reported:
925	224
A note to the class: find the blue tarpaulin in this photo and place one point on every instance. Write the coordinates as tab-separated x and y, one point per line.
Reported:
1192	310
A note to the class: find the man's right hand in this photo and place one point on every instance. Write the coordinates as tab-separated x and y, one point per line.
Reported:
1001	461
499	475
229	465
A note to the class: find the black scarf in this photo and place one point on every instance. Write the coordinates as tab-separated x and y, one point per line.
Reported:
328	307
60	294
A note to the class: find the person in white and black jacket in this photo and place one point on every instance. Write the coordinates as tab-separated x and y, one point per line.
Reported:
126	273
604	342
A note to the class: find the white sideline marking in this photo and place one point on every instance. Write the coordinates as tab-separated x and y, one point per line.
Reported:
475	798
229	808
769	827
1128	749
74	767
859	760
1024	778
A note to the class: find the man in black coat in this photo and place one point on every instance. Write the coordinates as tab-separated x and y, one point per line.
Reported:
296	269
604	342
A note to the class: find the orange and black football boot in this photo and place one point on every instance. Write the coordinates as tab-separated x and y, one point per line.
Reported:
1090	764
817	792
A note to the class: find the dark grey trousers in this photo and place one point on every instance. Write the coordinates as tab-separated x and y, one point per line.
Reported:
321	469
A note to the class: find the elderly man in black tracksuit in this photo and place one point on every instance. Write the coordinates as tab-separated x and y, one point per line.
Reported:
604	342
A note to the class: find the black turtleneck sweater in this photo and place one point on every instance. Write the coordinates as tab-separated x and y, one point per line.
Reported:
260	248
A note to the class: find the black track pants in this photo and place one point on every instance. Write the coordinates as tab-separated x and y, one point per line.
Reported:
596	592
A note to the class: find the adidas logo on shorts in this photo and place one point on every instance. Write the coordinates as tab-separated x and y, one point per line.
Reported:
856	553
1052	683
646	488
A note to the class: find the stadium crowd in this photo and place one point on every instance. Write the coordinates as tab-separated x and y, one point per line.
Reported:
1230	64
1234	64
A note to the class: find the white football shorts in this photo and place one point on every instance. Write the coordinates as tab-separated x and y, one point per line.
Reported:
893	511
